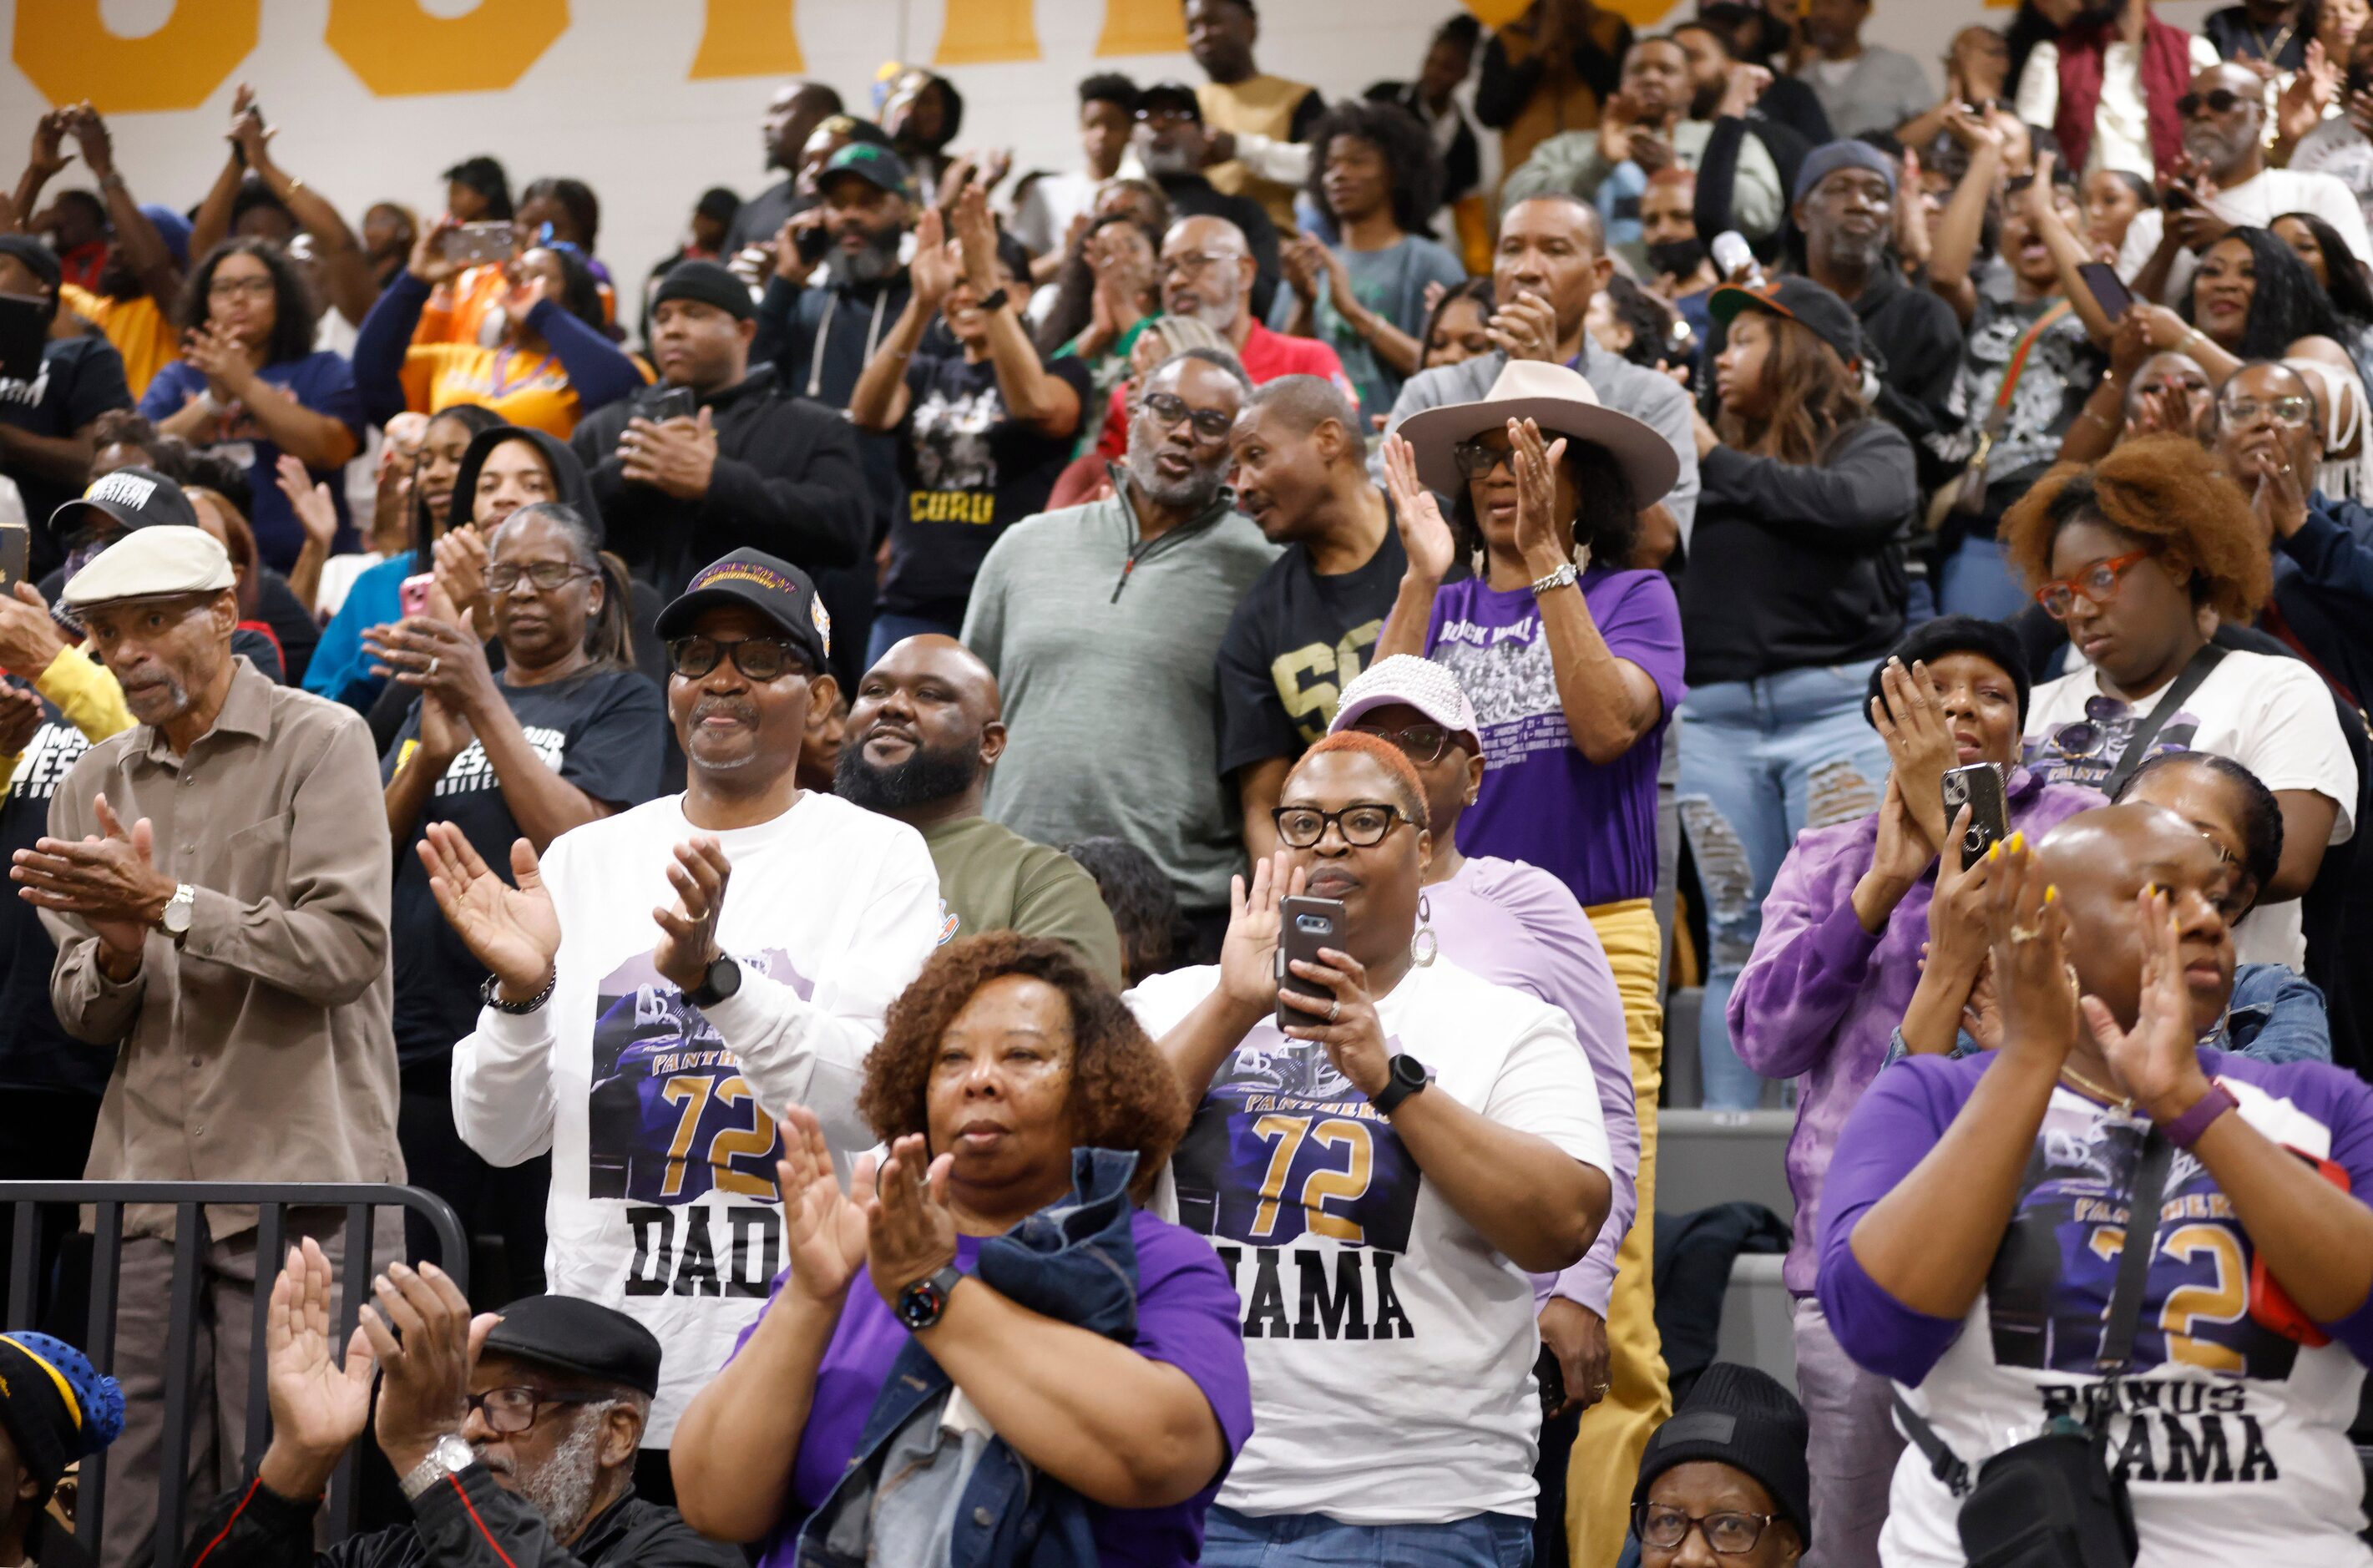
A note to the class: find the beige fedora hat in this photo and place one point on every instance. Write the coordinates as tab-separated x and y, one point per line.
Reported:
1563	402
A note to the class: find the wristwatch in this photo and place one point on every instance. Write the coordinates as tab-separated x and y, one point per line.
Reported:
1564	577
1409	1076
175	921
450	1457
921	1303
995	299
724	978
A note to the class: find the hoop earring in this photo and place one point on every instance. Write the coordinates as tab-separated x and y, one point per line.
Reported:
1424	946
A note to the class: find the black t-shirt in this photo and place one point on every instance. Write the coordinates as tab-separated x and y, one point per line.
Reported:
81	379
35	1050
967	469
1293	646
601	730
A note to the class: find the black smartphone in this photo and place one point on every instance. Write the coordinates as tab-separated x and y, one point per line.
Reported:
1305	925
16	553
1979	788
24	334
675	402
2109	289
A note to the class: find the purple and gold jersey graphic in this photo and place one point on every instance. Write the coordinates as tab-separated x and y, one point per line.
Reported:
1283	1149
670	1117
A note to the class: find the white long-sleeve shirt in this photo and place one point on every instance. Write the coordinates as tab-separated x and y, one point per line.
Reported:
660	1115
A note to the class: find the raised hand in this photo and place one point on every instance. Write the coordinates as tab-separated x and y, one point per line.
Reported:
514	931
2027	932
49	155
320	1406
2278	499
910	1230
461	558
90	133
1743	86
311	503
248	133
938	265
1920	746
1902	852
977	237
1248	952
824	1228
1525	328
427	1342
1299	257
2156	1059
1536	508
1425	536
1342	1018
688	943
1957	914
20	718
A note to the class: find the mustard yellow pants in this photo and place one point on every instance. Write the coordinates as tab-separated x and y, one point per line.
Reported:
1615	1432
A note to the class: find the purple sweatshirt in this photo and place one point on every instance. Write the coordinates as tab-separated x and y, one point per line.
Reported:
1820	997
1516	925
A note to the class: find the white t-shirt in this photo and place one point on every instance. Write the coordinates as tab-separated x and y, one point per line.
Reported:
2121	123
2271	715
2255	203
661	1117
2338	149
1391	1348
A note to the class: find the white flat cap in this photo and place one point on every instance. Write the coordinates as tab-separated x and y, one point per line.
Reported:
150	562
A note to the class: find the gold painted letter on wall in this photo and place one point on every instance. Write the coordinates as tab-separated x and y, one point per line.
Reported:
1144	27
400	50
66	50
749	38
983	32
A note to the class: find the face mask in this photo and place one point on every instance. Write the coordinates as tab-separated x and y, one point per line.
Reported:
1677	258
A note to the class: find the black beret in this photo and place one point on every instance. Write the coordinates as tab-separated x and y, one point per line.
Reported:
578	1335
710	285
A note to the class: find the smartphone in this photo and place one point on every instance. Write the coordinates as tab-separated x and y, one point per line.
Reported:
24	335
675	402
16	553
477	243
413	595
2109	290
1733	258
1979	788
1305	925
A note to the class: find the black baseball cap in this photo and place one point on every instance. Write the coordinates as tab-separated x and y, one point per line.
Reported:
773	588
131	497
580	1336
1170	95
877	165
1798	299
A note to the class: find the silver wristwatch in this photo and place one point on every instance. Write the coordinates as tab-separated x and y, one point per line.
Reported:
450	1457
175	921
1564	577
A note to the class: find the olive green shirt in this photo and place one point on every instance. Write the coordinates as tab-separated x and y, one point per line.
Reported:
992	879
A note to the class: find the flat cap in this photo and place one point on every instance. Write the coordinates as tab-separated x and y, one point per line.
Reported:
580	1336
148	563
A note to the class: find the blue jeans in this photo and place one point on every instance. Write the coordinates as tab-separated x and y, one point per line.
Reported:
1975	580
1313	1540
890	627
1761	761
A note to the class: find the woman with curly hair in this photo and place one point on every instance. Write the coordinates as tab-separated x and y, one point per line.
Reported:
997	1267
2136	557
1377	178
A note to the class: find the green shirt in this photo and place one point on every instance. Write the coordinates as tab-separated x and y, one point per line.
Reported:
992	879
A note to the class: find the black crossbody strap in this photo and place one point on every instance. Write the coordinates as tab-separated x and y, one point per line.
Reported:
2135	1259
1942	1462
2138	745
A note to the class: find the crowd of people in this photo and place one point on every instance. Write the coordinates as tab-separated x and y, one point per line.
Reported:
1016	841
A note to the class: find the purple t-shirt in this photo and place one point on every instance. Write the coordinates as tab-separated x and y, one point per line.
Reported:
1185	1316
1593	828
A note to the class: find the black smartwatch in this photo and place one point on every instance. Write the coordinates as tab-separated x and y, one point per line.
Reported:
921	1303
995	299
1409	1076
724	977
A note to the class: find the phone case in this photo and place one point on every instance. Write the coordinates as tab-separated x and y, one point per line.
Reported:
1979	788
1305	925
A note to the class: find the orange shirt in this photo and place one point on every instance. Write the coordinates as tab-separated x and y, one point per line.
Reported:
457	312
145	340
531	391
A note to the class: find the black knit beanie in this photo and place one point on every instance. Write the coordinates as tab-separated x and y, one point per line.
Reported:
1743	1418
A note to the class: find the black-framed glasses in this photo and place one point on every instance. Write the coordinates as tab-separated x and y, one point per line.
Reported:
760	658
2221	100
1478	458
1422	743
1362	824
549	577
1664	1527
510	1411
1169	408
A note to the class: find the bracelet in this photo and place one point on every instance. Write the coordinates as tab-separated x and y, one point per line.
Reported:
295	184
2185	341
489	993
2187	1129
2104	424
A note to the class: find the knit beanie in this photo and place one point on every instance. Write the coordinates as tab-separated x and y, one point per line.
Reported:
1743	1418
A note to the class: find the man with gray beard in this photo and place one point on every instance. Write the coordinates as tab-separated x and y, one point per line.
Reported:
1207	271
513	1434
1103	625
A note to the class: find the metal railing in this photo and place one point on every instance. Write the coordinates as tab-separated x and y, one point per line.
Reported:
272	1201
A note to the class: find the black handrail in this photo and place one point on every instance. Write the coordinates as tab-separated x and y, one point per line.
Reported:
272	1201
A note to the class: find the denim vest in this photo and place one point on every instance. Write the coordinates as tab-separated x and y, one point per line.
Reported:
1074	1261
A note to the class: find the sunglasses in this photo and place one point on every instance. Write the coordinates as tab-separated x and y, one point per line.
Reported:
1422	743
760	658
2097	585
2223	100
1168	408
1475	458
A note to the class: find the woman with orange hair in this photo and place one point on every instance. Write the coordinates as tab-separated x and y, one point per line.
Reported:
2139	557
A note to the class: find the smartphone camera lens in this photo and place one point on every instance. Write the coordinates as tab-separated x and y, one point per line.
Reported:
1315	924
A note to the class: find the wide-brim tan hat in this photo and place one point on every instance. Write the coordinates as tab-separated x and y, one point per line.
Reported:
1563	402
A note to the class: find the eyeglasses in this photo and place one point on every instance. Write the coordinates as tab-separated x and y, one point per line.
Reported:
1422	743
2223	100
2292	409
760	658
1475	459
1362	826
232	288
549	577
2097	585
1665	1528
509	1411
1168	408
1192	262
